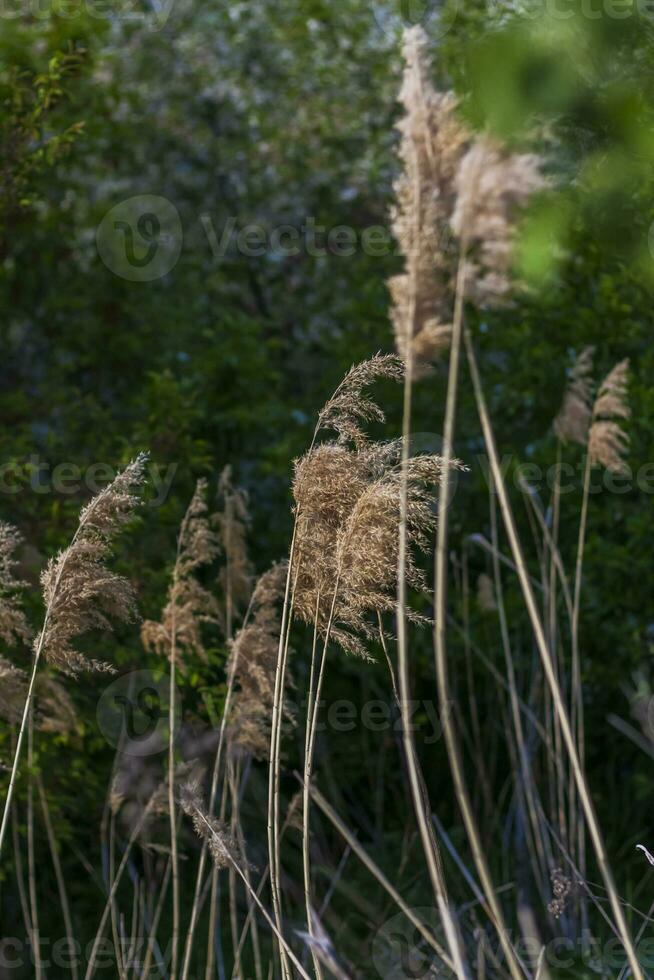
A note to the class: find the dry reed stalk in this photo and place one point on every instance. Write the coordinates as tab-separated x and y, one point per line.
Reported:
421	315
606	446
529	790
179	635
480	185
492	905
249	921
31	859
252	672
543	650
155	804
237	831
152	935
572	424
80	593
59	875
235	581
378	874
23	895
344	413
118	948
225	854
347	559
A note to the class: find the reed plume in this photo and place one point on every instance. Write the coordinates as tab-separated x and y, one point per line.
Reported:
607	442
252	664
492	186
349	407
13	625
13	690
190	606
431	142
573	421
222	846
345	563
80	593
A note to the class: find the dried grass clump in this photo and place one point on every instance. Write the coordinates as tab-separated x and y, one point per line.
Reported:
13	625
432	140
573	421
80	593
608	443
252	664
492	185
189	605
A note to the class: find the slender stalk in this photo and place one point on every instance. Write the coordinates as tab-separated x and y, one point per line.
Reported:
289	952
521	745
418	794
31	861
171	792
440	629
114	909
61	884
577	699
310	733
550	676
274	767
213	901
152	937
212	801
232	780
378	874
30	694
20	877
138	826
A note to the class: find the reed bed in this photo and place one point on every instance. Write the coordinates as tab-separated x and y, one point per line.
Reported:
244	854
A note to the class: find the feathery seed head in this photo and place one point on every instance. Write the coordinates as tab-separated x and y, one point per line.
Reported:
492	185
13	625
13	692
431	144
224	849
189	604
348	407
253	662
80	593
573	421
608	443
